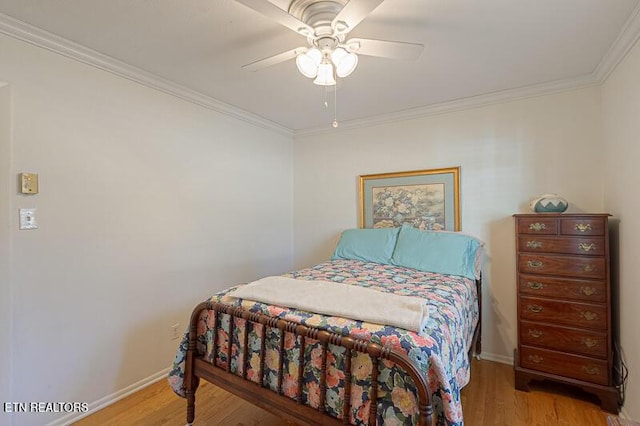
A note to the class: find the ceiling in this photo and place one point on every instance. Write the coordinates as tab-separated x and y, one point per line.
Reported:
472	48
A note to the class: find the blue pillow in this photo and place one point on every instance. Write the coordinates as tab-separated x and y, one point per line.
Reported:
368	245
434	251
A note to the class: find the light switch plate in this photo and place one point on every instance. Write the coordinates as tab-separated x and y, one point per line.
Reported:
29	183
28	219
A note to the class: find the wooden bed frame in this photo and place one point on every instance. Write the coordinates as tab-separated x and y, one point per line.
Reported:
277	403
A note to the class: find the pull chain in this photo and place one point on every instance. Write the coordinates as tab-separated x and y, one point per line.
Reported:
335	106
326	103
335	103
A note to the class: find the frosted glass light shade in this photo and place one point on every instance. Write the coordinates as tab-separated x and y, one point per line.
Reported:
345	62
308	62
325	74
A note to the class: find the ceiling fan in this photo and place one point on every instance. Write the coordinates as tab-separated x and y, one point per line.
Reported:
325	24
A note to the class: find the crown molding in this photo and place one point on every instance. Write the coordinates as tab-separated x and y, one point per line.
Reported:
627	38
28	33
460	104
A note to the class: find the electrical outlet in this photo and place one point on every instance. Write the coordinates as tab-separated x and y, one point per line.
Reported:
174	331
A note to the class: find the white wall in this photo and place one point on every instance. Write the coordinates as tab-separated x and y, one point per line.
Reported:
508	154
621	106
148	204
5	221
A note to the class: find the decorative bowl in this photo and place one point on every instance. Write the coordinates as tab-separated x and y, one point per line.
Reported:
549	203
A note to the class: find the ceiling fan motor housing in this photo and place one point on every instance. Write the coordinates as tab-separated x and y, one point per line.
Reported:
318	14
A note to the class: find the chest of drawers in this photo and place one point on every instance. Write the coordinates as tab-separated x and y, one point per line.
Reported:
564	303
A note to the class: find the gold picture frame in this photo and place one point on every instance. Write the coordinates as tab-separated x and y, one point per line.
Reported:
427	199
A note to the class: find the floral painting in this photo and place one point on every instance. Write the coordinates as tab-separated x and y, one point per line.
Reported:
426	199
420	205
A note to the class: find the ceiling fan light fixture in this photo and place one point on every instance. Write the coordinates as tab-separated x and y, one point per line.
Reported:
346	62
308	62
325	74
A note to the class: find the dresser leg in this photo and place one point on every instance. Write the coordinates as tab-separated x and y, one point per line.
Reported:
608	399
522	379
522	382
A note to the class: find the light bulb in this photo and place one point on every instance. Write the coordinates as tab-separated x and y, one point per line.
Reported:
345	62
308	62
325	74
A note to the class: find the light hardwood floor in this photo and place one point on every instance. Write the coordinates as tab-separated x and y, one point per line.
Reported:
489	399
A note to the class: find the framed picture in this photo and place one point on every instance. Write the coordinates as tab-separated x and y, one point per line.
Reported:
426	199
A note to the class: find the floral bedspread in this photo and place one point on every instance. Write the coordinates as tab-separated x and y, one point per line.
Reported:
441	352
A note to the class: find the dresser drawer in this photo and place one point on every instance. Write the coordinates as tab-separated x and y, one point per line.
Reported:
582	315
571	266
539	226
564	288
573	245
585	342
579	226
574	366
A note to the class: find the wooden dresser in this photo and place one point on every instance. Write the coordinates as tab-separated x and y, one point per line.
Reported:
564	303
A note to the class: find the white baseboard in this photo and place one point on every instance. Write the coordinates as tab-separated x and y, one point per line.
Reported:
624	415
110	399
502	359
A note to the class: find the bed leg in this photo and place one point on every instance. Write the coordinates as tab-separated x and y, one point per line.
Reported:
191	381
191	407
190	393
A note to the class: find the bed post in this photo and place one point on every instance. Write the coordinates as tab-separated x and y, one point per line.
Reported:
190	379
479	326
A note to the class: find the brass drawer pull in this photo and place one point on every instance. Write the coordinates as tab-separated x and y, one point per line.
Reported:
588	291
534	264
591	369
536	359
588	315
583	227
589	342
535	285
586	247
534	244
589	268
537	226
534	308
535	333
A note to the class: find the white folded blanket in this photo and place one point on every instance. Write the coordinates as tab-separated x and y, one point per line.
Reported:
337	299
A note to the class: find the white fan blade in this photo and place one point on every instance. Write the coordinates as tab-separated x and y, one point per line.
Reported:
273	12
275	59
385	49
353	13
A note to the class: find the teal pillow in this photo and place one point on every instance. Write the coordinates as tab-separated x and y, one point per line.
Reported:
434	251
367	245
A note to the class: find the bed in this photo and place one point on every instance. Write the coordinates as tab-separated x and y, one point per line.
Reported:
315	368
